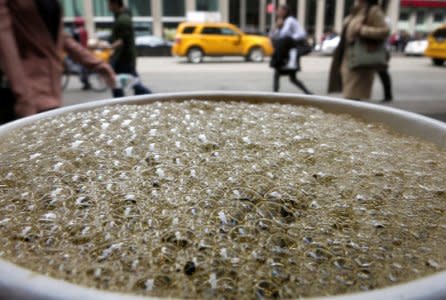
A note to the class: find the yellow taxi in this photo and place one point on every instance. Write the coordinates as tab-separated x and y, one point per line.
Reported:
436	48
197	40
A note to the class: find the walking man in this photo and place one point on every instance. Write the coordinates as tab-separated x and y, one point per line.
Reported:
122	41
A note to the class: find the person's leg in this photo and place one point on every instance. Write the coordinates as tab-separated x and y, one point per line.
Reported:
276	81
386	81
118	93
139	88
84	79
298	83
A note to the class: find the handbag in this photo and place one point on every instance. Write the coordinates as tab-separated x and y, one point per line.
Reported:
303	47
367	53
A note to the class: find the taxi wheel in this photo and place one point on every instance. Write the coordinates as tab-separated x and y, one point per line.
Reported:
195	55
256	54
437	61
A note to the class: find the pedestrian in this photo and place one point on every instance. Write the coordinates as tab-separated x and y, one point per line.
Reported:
287	37
123	59
80	34
32	41
383	73
365	21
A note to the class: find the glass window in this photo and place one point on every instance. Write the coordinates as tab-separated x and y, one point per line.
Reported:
174	8
211	30
252	14
72	8
404	16
228	31
438	17
140	8
207	5
188	30
420	17
234	12
100	8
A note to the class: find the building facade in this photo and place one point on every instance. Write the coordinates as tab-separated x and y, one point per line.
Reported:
421	17
318	16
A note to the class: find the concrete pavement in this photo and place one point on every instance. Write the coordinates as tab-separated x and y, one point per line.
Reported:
418	86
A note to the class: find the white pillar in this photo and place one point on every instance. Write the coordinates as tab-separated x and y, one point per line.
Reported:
224	10
282	2
412	22
320	21
430	21
393	11
302	11
243	14
191	5
157	12
89	18
339	15
262	16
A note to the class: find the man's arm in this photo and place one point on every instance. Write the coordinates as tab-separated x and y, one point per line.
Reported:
116	44
300	33
12	64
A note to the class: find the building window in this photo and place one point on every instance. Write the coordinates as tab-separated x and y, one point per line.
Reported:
73	8
348	6
140	8
420	17
234	12
438	17
207	5
100	8
174	8
252	15
404	16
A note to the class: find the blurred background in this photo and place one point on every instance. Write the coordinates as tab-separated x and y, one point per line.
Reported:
417	43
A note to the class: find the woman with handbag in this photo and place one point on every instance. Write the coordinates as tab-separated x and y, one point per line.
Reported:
282	38
361	51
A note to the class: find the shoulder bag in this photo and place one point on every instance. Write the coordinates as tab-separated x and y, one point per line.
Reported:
367	53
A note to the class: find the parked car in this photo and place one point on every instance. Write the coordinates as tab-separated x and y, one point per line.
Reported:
146	45
329	45
436	48
150	45
415	48
197	40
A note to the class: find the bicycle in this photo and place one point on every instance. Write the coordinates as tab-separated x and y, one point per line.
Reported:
95	80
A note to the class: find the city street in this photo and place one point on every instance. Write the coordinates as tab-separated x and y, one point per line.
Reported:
418	86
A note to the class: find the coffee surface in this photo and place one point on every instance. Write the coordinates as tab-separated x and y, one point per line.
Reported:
221	200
